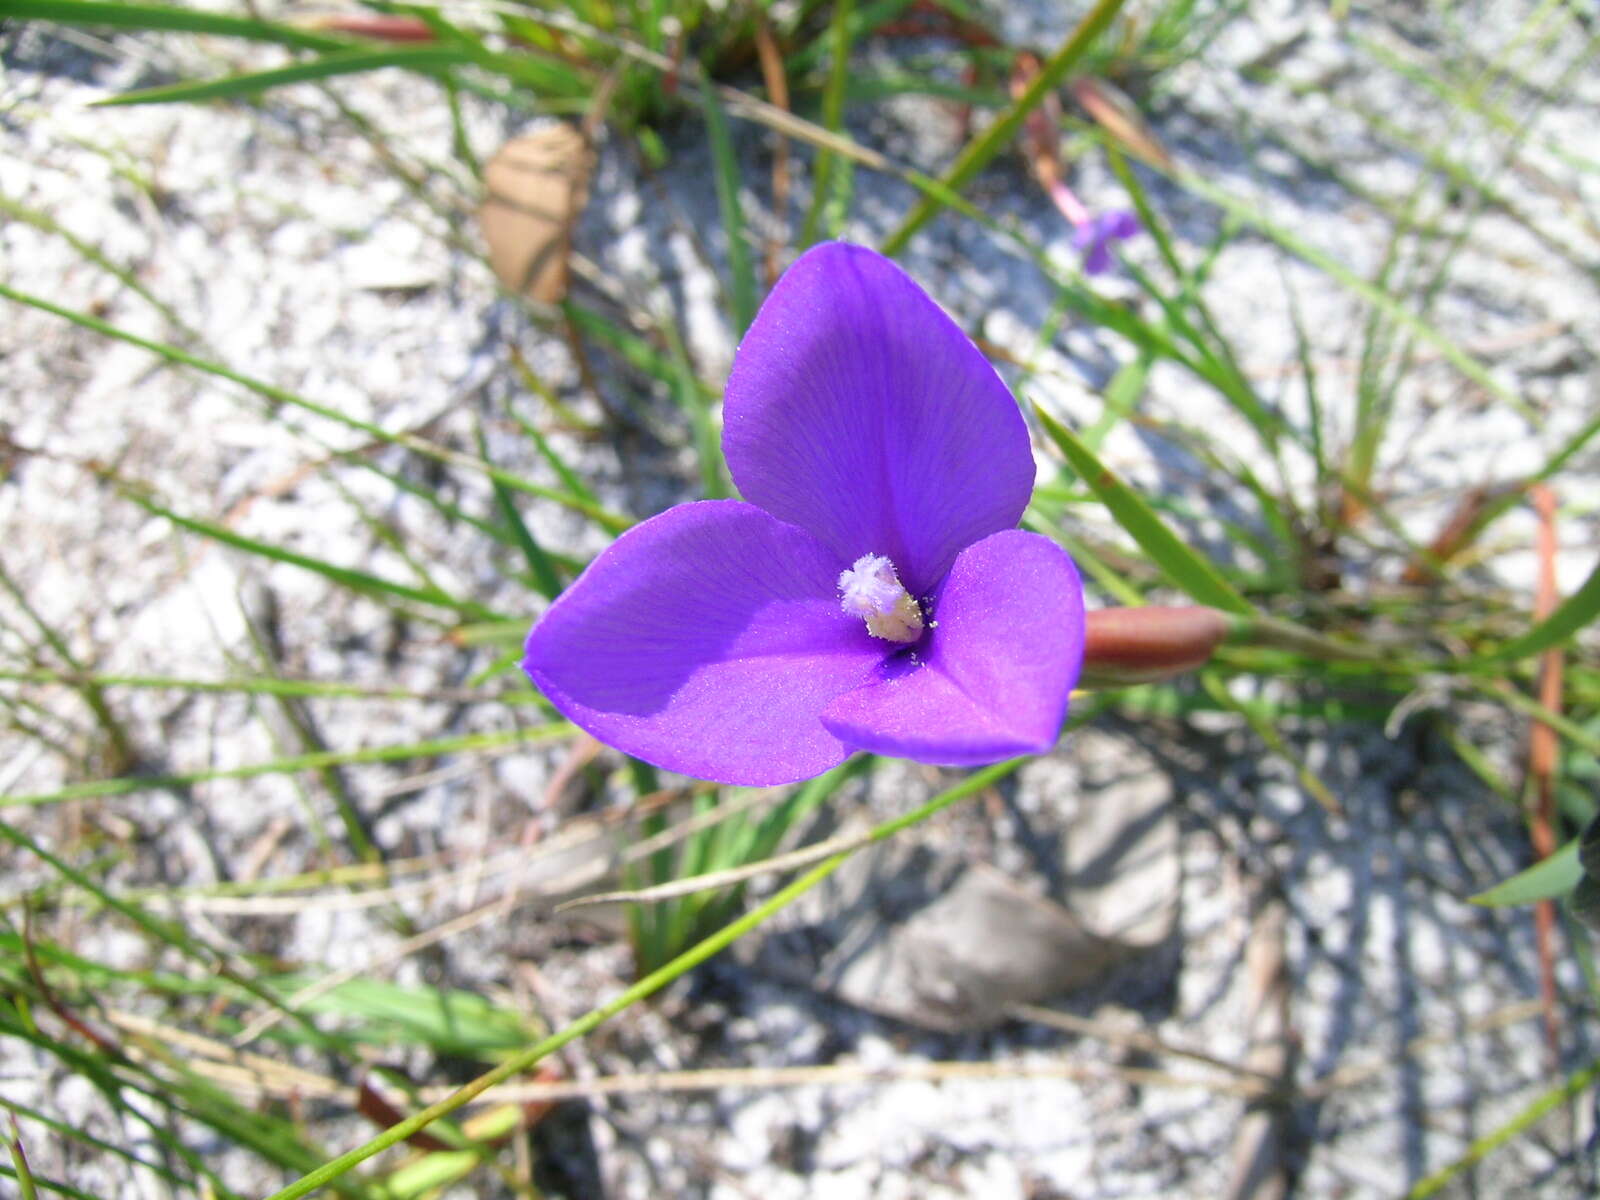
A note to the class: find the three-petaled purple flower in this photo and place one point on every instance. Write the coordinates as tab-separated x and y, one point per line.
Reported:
872	591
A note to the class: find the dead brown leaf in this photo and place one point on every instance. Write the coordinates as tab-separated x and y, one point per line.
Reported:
537	185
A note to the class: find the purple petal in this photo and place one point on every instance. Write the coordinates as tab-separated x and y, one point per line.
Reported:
857	410
992	678
1122	224
1097	261
707	640
1096	237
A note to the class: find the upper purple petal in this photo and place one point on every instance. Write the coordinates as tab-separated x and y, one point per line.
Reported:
857	410
1122	224
707	640
992	677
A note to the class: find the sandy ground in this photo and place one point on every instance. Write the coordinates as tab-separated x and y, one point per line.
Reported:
278	240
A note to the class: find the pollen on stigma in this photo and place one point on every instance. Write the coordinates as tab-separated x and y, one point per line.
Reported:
871	589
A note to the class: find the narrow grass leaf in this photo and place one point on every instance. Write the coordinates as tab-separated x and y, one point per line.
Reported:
1183	566
19	1160
349	577
544	574
1574	1085
162	18
838	42
1550	877
343	62
1576	611
997	136
610	521
1395	310
28	1184
449	1021
70	1132
742	287
271	686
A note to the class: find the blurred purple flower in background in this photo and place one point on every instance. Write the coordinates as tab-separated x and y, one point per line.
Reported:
1095	236
873	594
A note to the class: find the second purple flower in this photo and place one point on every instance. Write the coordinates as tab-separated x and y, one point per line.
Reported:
872	592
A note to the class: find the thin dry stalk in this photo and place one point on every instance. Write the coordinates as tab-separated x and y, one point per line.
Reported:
805	856
844	1074
262	1078
1260	1164
1136	1039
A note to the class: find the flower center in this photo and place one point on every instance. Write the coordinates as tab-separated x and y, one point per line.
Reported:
872	590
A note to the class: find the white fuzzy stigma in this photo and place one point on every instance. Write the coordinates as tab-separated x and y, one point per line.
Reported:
870	589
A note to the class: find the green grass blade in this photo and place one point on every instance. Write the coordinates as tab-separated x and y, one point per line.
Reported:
1185	568
70	1132
839	39
1576	611
1250	214
1550	877
742	289
19	1160
45	223
342	62
1574	1085
544	573
272	686
449	1020
162	18
28	1184
610	521
170	932
693	399
1120	398
977	153
349	577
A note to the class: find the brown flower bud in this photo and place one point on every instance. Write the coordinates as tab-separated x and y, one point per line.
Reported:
1124	646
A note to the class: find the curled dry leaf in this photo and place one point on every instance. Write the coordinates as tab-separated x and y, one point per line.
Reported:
537	185
1111	108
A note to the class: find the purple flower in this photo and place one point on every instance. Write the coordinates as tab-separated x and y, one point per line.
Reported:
874	592
1095	236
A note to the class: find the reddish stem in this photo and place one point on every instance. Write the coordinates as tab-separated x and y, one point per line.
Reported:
1543	757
